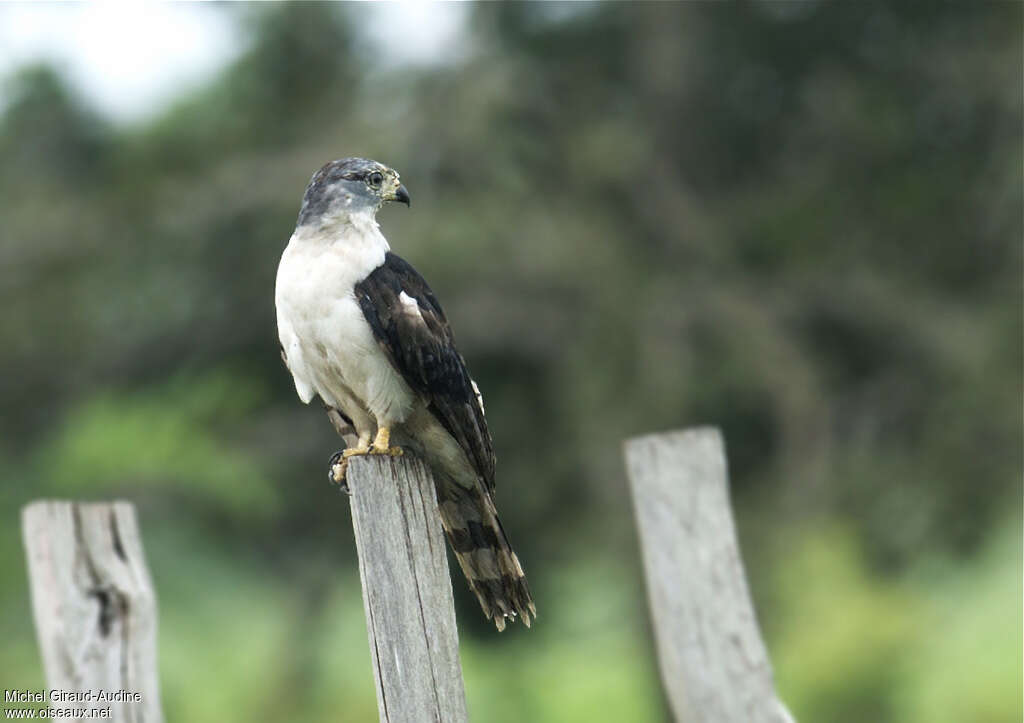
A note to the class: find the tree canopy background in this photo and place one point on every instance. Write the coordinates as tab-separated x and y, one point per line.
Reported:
801	222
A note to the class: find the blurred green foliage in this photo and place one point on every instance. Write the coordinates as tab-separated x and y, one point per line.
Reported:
799	221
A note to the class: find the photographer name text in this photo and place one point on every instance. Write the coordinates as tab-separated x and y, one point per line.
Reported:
55	695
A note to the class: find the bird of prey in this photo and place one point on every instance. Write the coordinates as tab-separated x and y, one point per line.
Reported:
360	328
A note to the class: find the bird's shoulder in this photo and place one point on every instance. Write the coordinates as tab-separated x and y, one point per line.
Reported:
396	278
409	322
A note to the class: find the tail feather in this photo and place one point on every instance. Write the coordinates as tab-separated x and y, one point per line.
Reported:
482	548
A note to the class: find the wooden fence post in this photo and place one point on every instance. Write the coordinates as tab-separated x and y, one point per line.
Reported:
94	606
713	662
407	592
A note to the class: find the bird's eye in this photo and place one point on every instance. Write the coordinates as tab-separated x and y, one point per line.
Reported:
376	178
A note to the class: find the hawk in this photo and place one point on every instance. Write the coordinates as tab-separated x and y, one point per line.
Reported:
361	329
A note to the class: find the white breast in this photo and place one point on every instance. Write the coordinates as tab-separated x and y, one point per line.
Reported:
328	343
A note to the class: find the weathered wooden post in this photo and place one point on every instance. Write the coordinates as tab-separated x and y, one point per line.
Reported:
713	662
94	607
407	592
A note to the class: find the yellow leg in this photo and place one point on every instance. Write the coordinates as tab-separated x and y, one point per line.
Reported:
362	447
382	444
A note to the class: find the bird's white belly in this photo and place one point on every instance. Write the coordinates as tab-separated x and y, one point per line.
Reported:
329	345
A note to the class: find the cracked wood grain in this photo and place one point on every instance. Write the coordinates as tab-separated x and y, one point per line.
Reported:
93	603
713	662
407	591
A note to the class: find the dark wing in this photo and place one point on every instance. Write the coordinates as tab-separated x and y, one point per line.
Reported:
419	343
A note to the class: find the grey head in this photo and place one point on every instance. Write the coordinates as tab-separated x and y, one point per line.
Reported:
349	186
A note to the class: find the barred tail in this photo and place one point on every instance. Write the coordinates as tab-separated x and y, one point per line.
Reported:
491	567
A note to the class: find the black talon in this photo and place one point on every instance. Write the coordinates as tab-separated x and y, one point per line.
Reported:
336	459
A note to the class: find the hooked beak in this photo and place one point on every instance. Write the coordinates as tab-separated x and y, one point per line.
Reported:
402	196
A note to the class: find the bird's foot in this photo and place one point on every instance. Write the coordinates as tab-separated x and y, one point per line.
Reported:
338	464
382	444
336	468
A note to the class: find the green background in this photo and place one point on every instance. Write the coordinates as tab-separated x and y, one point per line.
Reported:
799	222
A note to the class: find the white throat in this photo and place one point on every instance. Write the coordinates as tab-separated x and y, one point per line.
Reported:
335	254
